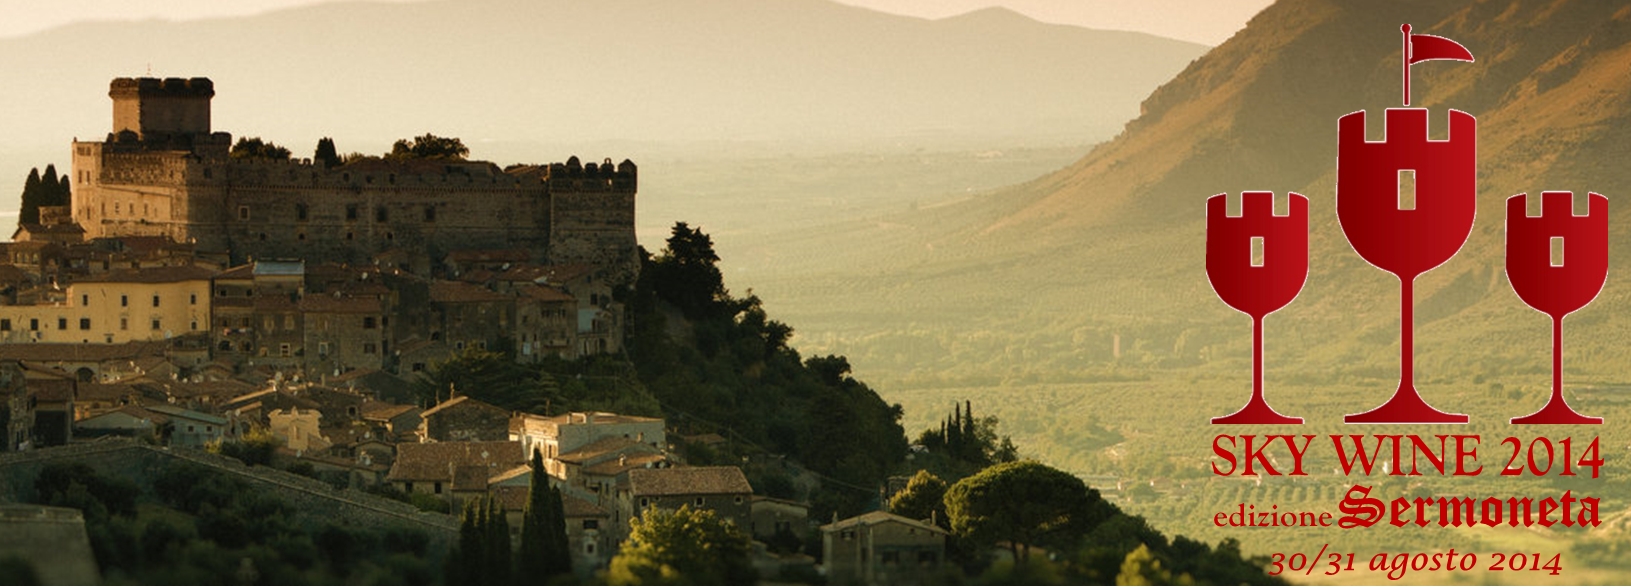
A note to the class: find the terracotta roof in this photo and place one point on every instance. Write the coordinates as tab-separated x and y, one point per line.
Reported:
275	303
241	272
615	467
689	481
436	461
604	446
174	274
79	352
544	293
470	477
514	498
874	518
463	400
489	256
106	391
454	292
377	410
558	274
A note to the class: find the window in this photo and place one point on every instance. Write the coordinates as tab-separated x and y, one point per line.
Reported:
192	299
155	300
194	326
300	212
889	557
847	535
417	367
5	324
84	323
437	488
589	547
430	213
155	324
350	236
33	323
407	487
368	348
644	502
283	349
350	211
243	212
84	300
368	322
381	214
124	301
62	323
591	524
124	323
698	502
322	350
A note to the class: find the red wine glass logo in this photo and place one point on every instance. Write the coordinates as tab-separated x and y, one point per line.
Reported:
1406	205
1257	286
1557	263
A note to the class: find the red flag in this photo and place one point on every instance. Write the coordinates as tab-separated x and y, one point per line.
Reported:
1429	47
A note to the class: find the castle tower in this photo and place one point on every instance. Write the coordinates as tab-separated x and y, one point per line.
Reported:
154	108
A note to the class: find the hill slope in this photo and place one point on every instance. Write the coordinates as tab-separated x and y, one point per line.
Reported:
571	72
1055	271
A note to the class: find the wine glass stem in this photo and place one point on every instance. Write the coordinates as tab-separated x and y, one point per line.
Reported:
1407	327
1557	358
1257	359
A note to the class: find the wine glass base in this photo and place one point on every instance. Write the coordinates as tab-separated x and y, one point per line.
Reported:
1257	412
1557	412
1406	407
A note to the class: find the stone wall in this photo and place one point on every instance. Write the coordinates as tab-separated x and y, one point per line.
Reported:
315	501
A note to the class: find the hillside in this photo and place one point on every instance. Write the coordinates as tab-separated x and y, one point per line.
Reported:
570	73
1052	271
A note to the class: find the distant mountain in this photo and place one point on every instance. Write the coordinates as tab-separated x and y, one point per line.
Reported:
1113	245
563	73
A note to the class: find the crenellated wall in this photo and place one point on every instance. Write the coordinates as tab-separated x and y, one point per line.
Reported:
175	178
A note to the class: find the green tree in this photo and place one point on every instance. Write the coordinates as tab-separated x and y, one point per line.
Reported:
326	153
687	275
487	376
428	146
545	551
497	532
922	499
1142	567
31	198
255	148
1024	503
686	546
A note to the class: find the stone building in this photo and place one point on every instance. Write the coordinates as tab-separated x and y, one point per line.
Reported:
116	307
163	171
724	490
463	418
880	548
557	435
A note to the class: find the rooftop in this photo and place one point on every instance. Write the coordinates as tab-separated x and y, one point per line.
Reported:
689	481
436	461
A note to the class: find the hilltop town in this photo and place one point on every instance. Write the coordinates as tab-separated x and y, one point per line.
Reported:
193	297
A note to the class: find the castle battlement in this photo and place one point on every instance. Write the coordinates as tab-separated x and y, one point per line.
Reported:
1405	127
164	172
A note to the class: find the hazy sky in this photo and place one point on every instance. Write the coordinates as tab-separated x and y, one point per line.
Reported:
1201	21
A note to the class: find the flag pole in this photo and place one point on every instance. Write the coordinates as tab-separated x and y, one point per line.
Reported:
1406	54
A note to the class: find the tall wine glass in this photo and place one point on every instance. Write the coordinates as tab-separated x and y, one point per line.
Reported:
1402	237
1257	288
1557	286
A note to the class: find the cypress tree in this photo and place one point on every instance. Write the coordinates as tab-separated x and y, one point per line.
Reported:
560	547
32	190
498	543
533	563
327	153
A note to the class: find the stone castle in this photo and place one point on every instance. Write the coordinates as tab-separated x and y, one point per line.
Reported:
164	172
